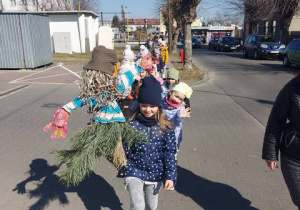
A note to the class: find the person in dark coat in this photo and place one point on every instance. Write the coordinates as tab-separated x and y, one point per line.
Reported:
152	162
283	135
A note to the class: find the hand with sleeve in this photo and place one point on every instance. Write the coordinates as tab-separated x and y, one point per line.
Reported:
59	124
185	112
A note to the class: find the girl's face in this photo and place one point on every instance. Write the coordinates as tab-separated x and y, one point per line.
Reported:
143	73
176	97
148	110
171	81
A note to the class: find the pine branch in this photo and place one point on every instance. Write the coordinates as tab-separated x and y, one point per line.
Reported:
89	144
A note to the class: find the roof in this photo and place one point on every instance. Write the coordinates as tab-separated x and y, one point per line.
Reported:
71	12
142	21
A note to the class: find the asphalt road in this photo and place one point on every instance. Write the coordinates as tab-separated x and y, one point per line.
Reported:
211	175
253	84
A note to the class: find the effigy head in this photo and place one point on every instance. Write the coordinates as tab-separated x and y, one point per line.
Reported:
103	60
97	80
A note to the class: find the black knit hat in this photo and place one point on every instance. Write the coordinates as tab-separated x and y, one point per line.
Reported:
150	92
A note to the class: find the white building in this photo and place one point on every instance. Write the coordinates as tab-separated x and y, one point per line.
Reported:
79	29
35	5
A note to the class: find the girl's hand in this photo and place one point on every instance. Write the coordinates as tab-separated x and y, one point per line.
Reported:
272	164
185	112
169	184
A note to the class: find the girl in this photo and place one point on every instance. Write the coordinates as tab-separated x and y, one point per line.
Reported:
152	162
172	79
172	105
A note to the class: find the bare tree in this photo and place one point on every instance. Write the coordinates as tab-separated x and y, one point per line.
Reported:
90	5
285	11
189	14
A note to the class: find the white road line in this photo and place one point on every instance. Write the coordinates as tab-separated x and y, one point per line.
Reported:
14	81
48	83
77	75
23	80
23	88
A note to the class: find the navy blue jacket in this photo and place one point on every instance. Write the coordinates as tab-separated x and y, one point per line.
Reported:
155	159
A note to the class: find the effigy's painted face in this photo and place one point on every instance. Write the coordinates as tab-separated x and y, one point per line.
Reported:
148	110
99	86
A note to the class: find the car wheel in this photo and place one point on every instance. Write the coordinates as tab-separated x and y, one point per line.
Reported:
286	62
245	53
255	55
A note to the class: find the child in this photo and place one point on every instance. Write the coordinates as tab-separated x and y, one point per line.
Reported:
152	162
172	105
164	52
158	61
172	79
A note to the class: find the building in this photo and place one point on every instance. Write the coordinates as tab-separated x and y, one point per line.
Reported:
139	23
71	31
217	31
272	27
35	5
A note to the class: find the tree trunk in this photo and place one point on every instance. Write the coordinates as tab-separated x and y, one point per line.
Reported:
175	39
187	47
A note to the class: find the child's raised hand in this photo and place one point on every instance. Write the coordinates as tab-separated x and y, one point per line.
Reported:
185	112
169	184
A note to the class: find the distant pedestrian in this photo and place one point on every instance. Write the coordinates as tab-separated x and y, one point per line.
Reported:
157	60
164	52
283	134
172	105
151	163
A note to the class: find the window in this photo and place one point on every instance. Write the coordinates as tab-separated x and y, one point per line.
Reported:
274	27
24	2
267	28
293	44
12	2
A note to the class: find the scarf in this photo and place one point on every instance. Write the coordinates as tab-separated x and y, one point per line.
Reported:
172	103
147	121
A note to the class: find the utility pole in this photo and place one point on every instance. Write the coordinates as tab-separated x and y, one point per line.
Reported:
170	32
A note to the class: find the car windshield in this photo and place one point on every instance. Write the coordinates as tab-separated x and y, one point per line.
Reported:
228	39
266	39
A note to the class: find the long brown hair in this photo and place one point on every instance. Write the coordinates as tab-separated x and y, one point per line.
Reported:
160	118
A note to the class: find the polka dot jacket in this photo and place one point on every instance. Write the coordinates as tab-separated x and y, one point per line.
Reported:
154	159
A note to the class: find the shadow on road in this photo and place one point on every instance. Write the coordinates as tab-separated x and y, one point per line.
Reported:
94	191
210	195
262	101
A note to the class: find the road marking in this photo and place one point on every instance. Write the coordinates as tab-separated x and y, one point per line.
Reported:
23	80
48	83
16	80
13	91
77	75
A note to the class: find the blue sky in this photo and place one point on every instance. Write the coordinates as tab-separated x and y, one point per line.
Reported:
147	8
137	8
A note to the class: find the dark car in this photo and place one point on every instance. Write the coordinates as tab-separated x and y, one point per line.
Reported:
227	43
262	46
196	42
291	54
213	43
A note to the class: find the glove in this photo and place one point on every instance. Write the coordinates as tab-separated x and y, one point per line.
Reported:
59	124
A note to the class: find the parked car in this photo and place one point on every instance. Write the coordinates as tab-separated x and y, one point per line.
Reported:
196	42
262	46
213	43
291	53
227	43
